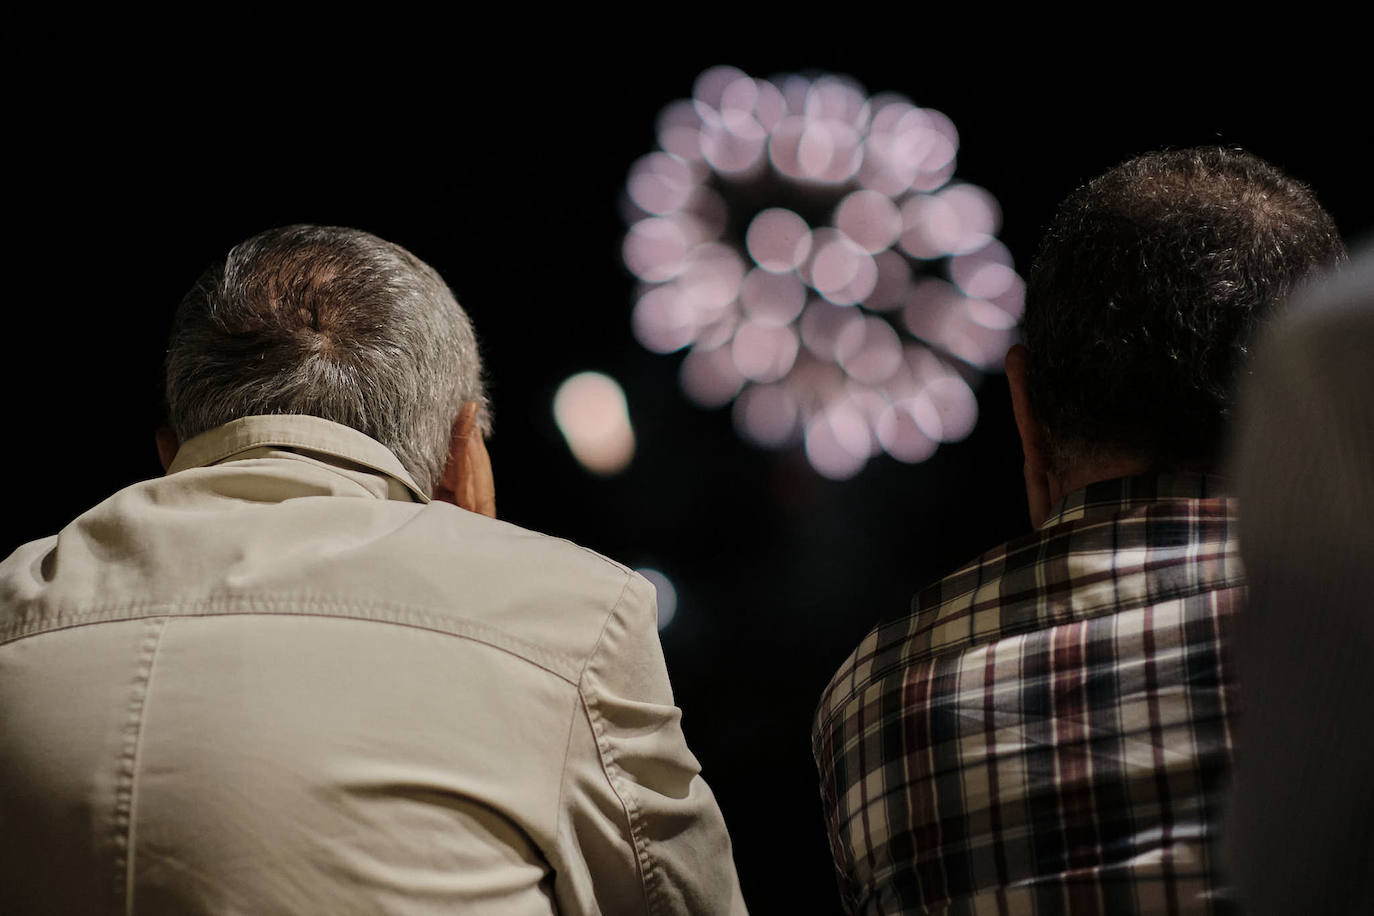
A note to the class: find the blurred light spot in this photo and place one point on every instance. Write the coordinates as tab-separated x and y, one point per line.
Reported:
770	298
717	333
983	279
663	321
977	214
929	308
767	415
763	352
836	98
709	376
769	107
976	331
778	239
661	183
815	381
989	316
815	148
892	285
836	262
741	95
946	409
784	148
861	283
735	143
712	84
869	350
931	227
823	325
898	141
836	442
666	593
679	130
848	335
901	437
870	219
655	249
705	216
794	88
711	277
590	410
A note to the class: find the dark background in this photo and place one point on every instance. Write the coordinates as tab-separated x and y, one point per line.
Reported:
507	178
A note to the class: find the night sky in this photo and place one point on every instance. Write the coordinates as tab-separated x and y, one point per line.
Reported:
508	180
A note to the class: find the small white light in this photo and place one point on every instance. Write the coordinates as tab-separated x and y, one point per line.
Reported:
590	411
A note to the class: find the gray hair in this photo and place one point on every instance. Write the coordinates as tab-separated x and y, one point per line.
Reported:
330	322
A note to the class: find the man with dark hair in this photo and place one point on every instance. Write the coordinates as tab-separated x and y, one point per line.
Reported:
308	671
1049	729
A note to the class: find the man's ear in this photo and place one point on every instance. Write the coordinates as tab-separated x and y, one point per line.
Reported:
467	480
167	445
1032	434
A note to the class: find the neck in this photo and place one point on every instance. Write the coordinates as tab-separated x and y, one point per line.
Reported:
1079	476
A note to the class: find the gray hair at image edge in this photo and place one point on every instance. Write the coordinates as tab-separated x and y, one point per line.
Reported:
330	322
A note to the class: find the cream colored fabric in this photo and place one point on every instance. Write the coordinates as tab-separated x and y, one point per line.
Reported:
280	680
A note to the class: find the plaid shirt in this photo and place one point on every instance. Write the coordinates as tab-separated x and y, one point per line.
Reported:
1049	730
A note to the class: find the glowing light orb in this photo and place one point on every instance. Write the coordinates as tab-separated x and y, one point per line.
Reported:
590	410
806	244
667	594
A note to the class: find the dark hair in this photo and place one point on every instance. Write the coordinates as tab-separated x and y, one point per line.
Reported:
1144	295
330	322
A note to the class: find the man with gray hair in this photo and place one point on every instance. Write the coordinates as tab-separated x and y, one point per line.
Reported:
308	671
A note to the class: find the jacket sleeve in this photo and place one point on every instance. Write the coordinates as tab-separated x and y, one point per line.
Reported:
643	825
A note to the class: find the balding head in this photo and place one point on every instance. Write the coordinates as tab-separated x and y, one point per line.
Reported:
333	323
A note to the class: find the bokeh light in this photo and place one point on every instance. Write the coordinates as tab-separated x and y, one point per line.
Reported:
591	412
667	594
808	247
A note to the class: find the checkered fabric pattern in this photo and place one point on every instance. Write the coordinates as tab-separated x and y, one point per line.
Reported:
1049	730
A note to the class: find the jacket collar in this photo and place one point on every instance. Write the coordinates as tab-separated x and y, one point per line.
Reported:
314	436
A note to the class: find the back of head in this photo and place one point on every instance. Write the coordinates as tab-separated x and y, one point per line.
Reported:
333	323
1144	295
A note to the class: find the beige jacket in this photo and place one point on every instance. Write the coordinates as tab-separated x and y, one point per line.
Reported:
281	680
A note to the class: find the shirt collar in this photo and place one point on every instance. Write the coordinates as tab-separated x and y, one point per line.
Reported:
314	435
1110	497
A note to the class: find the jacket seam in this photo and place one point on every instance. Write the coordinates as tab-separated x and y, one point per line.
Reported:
559	811
614	774
126	787
558	665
